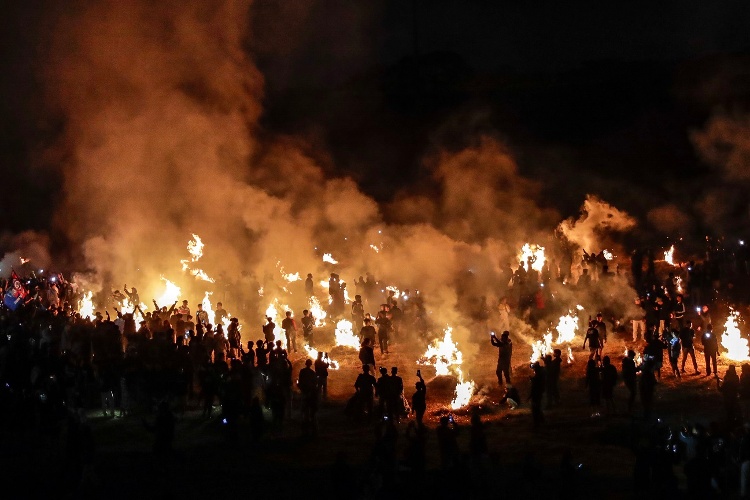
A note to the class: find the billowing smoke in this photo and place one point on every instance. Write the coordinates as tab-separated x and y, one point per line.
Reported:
161	104
598	221
24	252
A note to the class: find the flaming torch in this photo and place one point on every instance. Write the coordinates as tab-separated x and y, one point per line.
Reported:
731	339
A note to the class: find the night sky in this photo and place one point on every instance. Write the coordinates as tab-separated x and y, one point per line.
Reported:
590	98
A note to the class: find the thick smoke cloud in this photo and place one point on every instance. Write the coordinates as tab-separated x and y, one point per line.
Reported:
161	104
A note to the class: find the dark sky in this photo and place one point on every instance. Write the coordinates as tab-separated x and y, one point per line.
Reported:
572	87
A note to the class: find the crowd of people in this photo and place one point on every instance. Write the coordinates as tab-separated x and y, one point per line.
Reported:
55	365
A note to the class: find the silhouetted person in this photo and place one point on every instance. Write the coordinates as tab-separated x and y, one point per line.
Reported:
308	386
629	377
609	381
594	385
321	370
504	355
537	392
477	440
447	435
687	338
365	385
552	366
646	387
367	354
419	399
163	429
710	350
729	389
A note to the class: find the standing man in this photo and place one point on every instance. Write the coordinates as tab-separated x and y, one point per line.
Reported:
220	314
268	329
321	370
358	313
629	377
710	349
308	323
309	285
601	327
639	319
290	331
595	343
184	310
537	391
687	337
307	383
504	354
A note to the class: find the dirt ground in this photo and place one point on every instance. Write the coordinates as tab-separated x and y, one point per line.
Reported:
521	462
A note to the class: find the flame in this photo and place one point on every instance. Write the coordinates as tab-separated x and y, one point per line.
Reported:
312	353
669	255
567	328
260	292
24	261
345	335
536	253
86	306
570	355
317	311
442	354
731	339
272	311
541	348
201	275
607	254
206	303
679	284
170	295
327	257
377	250
291	277
464	391
130	308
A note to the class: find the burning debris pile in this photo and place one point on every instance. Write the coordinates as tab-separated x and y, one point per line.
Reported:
732	340
444	355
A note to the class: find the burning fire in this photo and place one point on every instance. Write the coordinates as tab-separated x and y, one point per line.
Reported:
86	306
464	391
24	261
669	256
377	250
312	353
731	339
316	311
570	355
170	295
536	253
567	328
607	254
541	348
327	257
272	311
446	358
195	248
345	335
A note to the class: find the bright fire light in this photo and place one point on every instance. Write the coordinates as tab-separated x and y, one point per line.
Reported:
464	391
313	354
86	306
327	257
566	328
277	312
345	336
536	253
731	339
669	256
24	261
444	355
170	295
377	250
317	311
541	348
570	355
607	254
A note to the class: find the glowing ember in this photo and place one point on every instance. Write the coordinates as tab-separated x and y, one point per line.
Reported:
312	353
377	250
345	335
24	261
316	311
170	295
679	285
86	306
464	391
669	255
731	339
567	328
607	254
541	348
442	354
327	257
536	253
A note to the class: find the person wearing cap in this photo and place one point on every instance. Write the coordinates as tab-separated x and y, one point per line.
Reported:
504	355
